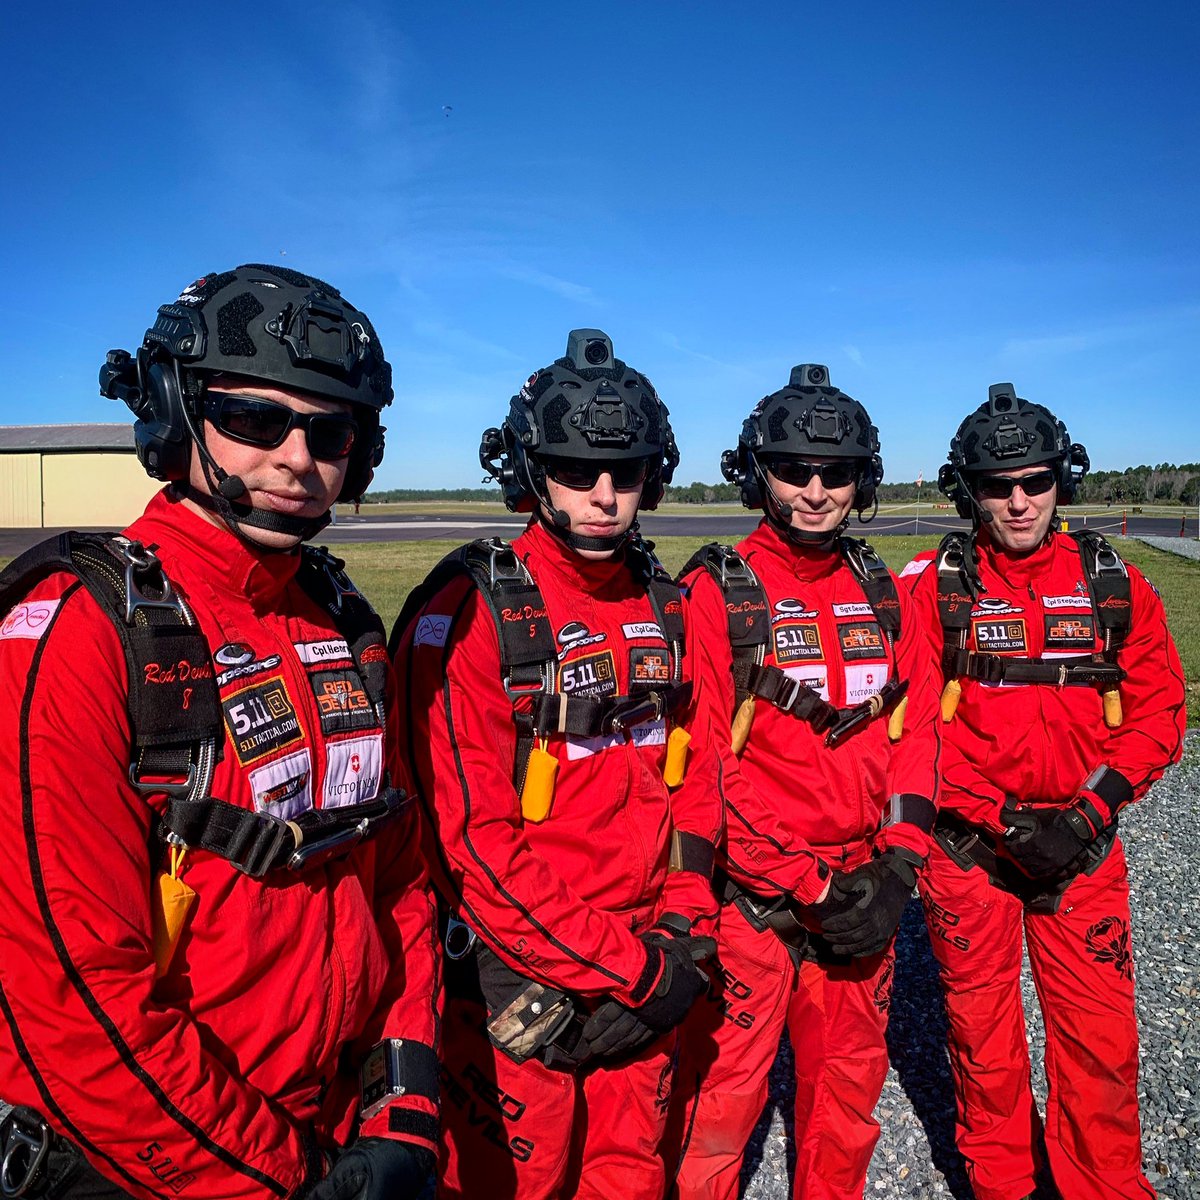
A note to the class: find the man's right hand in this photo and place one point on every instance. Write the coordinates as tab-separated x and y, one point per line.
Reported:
375	1168
617	1030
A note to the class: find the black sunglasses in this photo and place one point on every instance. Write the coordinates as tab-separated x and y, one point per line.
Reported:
581	474
795	472
1000	487
258	422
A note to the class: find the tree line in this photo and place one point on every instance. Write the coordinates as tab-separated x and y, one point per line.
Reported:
1163	484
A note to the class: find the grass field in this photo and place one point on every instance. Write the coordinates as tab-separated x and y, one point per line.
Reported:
387	573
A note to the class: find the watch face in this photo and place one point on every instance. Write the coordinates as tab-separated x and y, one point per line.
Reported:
373	1077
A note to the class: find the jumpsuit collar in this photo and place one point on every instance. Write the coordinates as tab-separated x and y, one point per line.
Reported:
806	563
1017	570
606	577
222	559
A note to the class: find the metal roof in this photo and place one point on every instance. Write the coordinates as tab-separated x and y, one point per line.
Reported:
28	439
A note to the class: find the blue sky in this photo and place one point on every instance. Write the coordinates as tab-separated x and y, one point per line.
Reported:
928	198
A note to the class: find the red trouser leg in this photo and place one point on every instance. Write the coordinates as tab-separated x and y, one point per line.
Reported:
728	1045
1083	968
521	1132
975	931
837	1020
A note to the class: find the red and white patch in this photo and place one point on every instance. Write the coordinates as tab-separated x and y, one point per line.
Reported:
353	769
284	787
863	680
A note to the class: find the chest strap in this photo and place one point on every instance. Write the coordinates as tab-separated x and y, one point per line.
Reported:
586	716
1085	669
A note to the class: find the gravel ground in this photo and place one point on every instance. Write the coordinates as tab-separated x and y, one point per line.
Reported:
1185	547
915	1156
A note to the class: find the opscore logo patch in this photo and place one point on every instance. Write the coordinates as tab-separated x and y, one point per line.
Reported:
352	771
575	634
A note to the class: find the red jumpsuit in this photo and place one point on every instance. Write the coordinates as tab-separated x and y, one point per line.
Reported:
794	808
562	900
216	1080
1039	742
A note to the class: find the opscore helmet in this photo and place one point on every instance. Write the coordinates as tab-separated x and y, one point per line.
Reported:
807	419
263	322
587	405
1009	433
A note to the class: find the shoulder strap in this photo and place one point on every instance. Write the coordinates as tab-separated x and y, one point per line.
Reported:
527	649
876	582
323	579
174	714
666	599
1108	583
745	600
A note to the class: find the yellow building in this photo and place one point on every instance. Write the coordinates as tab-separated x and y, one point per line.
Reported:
70	477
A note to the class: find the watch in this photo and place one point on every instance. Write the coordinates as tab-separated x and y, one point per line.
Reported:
379	1076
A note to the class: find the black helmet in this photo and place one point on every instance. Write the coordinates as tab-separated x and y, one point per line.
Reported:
1009	433
586	405
263	322
807	419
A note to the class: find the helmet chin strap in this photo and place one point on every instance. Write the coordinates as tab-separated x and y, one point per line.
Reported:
560	526
226	490
780	516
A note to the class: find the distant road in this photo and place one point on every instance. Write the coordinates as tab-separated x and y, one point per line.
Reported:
408	527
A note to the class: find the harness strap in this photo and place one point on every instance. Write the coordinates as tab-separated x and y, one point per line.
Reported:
1061	672
257	843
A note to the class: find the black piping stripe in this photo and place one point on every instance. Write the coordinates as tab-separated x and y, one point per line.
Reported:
487	870
72	972
60	1118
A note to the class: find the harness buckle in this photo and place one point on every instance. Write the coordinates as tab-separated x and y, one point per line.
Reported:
25	1150
796	688
139	560
183	789
650	708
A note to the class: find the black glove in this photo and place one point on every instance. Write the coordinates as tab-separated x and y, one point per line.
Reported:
1047	842
616	1030
376	1168
877	893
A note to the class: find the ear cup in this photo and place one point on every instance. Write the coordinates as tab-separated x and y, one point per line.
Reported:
164	446
364	458
870	478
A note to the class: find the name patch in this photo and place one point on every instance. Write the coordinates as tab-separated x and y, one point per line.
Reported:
329	650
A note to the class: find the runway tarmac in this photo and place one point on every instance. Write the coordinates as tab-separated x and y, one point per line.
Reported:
702	526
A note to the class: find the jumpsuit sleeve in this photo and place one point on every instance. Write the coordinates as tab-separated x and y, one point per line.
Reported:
462	744
697	806
1150	736
762	851
411	1002
129	1079
916	757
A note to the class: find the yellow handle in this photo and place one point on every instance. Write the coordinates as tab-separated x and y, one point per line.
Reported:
896	720
1113	713
537	794
173	901
951	694
677	748
740	729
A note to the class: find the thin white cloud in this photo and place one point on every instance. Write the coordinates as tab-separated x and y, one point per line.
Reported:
854	355
578	292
